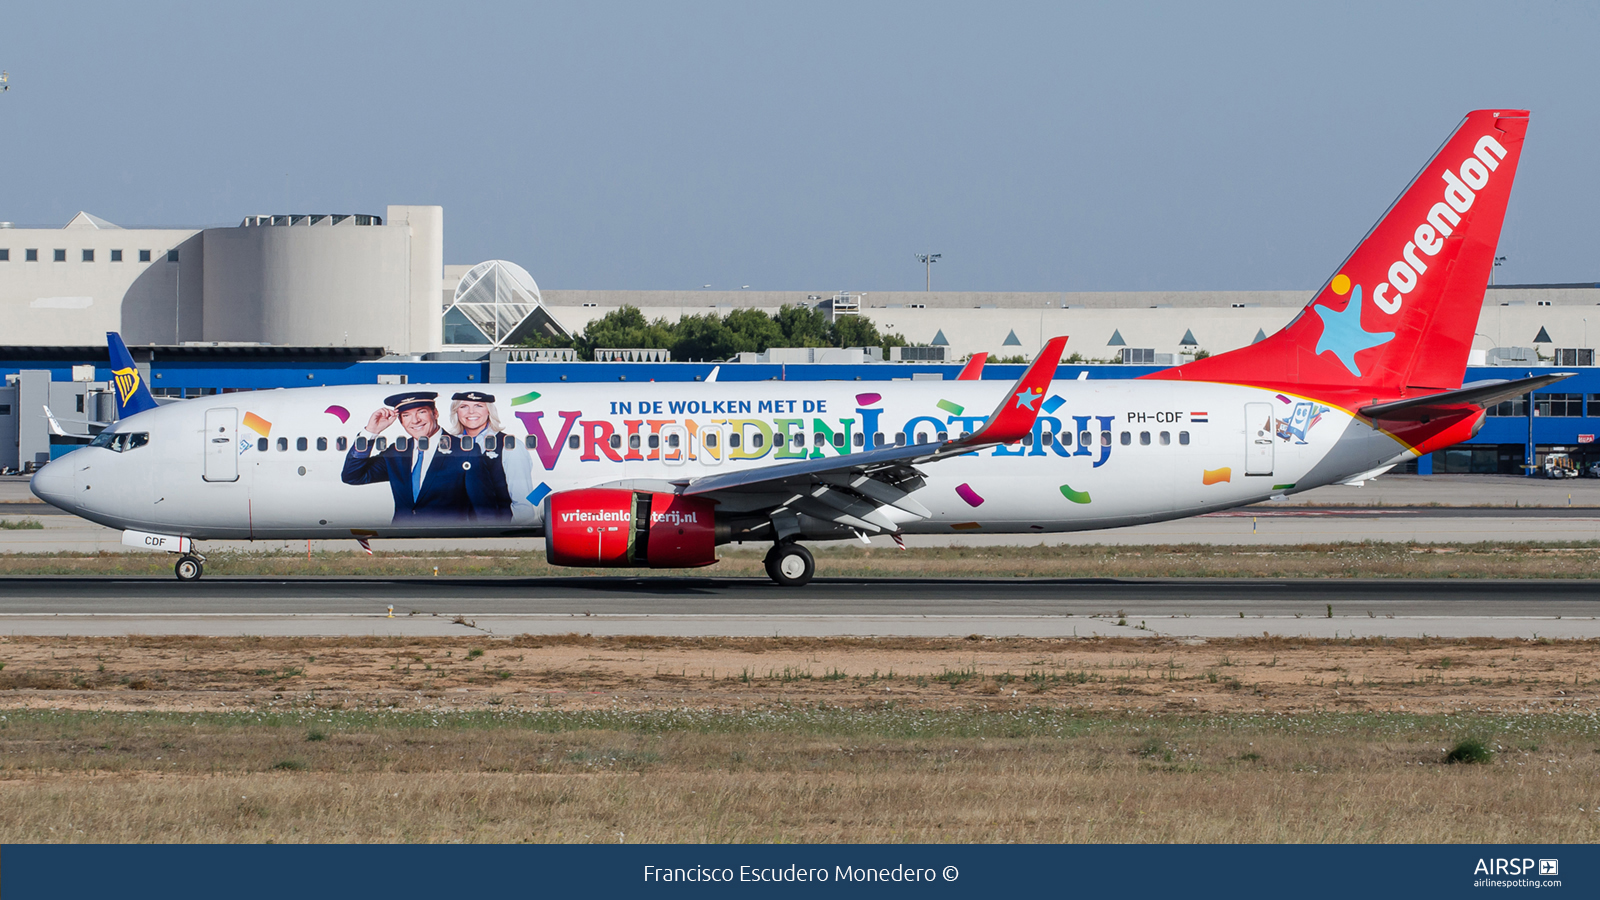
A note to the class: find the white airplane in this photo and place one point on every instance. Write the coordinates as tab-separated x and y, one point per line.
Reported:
1368	375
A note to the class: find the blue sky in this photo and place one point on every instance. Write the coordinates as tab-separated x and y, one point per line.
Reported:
812	146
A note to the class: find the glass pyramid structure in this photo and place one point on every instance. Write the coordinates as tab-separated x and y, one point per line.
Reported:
497	304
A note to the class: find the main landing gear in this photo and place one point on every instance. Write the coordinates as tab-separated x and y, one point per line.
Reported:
790	564
190	567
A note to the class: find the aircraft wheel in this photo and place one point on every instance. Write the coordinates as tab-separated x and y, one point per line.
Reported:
189	568
791	565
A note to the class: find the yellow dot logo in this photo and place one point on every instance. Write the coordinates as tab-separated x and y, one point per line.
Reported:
1341	284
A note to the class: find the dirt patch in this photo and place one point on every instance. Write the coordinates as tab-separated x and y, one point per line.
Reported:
1276	675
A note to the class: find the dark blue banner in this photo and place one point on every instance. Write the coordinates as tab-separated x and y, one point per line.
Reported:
1302	871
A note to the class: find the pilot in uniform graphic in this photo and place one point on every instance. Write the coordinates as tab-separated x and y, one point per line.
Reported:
480	443
429	486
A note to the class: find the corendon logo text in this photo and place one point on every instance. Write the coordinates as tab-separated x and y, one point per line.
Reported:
604	515
1459	192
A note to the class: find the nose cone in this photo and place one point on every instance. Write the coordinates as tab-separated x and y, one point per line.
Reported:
53	484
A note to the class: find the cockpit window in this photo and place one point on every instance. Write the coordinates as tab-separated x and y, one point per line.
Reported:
118	441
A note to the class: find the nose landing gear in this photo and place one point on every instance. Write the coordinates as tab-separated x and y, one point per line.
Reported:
190	567
790	564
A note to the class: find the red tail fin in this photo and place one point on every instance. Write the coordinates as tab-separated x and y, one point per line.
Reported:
973	370
1400	312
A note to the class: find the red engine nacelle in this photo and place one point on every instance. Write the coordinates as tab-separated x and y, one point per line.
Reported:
616	527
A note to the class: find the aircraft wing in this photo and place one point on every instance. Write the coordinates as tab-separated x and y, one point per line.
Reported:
855	490
1478	393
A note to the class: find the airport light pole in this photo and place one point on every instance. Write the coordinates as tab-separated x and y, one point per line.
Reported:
1498	262
928	259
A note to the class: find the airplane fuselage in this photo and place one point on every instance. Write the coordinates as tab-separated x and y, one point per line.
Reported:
1102	454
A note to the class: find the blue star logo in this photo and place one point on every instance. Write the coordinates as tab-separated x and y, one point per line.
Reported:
1026	398
1343	336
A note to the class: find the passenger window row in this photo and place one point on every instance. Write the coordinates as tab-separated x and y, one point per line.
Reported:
509	442
447	442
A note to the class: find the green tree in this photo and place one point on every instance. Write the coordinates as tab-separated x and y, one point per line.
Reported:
803	326
753	330
704	337
857	331
624	327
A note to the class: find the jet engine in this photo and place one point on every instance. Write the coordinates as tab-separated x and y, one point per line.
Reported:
618	527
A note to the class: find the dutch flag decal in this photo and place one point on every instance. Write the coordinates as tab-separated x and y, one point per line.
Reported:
1199	417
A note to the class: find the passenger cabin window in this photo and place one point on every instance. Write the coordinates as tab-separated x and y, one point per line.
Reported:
1144	438
381	444
1085	437
860	440
1166	438
733	439
511	441
944	435
633	442
711	439
322	443
361	444
1127	438
1105	438
922	437
262	445
655	441
283	444
1183	438
615	442
575	442
300	444
757	441
672	441
466	441
900	439
838	439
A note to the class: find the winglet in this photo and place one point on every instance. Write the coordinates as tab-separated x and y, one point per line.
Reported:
973	370
1013	419
132	394
55	427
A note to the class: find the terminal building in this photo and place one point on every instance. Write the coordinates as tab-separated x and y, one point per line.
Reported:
309	299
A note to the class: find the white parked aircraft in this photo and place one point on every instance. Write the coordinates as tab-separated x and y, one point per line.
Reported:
1367	376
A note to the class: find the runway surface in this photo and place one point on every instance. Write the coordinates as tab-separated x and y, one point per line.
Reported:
753	607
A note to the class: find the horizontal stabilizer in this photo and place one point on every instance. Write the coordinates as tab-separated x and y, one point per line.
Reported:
1478	393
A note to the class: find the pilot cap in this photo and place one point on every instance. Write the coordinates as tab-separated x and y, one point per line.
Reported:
410	400
475	396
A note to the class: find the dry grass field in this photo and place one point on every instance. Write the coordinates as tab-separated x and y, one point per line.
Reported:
579	738
1376	559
